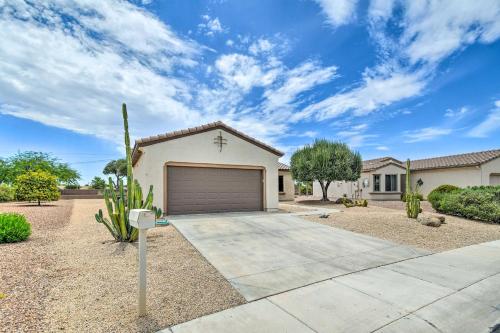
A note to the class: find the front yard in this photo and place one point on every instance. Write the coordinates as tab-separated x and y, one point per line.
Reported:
387	220
71	276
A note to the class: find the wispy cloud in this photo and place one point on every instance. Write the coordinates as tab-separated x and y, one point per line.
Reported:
489	125
456	114
210	26
426	134
382	148
338	12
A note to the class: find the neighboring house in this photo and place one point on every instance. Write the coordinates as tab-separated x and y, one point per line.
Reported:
384	178
209	168
286	186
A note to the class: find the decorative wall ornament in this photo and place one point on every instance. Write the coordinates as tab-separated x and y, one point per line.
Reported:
220	141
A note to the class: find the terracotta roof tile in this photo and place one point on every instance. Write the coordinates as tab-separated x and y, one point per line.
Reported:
283	166
451	161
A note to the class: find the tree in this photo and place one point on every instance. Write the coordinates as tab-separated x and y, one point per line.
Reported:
98	183
118	168
325	162
37	161
3	170
37	186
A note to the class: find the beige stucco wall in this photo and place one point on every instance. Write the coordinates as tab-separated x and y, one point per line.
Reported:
461	177
487	169
338	189
199	148
288	186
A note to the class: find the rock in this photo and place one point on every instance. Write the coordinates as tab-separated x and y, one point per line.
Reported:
431	221
324	216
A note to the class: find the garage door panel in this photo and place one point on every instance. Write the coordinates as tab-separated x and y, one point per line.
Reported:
200	190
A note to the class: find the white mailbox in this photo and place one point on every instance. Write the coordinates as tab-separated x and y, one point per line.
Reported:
142	218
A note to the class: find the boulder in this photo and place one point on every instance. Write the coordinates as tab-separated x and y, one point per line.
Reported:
431	221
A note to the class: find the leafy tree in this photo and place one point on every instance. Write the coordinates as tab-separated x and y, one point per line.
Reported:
3	170
37	161
325	162
98	183
37	186
118	168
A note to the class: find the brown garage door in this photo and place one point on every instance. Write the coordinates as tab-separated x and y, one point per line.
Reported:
207	190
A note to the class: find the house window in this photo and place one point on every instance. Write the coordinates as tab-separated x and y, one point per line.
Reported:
281	187
391	183
376	183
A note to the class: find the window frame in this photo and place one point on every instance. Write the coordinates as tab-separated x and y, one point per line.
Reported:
376	185
281	184
392	184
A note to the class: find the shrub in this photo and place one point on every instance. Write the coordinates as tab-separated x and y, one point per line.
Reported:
6	193
98	183
419	196
13	228
37	186
477	203
437	194
72	186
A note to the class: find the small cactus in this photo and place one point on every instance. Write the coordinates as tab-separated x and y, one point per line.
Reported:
412	197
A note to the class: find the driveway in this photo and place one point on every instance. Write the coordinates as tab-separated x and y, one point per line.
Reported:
306	277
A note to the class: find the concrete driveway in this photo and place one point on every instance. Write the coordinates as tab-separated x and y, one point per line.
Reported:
265	254
305	277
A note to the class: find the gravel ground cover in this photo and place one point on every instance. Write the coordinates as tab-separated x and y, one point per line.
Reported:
392	224
25	267
95	280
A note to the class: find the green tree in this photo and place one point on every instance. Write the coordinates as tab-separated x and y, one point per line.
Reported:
118	168
98	183
3	170
325	161
36	186
37	161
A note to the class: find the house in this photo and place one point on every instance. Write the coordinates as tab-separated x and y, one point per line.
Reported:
209	168
384	178
286	186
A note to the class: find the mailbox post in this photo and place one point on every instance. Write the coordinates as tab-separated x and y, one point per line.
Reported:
142	219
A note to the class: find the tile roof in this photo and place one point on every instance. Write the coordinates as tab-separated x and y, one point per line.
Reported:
283	167
451	161
377	163
454	161
195	130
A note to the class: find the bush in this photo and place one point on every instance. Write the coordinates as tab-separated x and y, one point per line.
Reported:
6	193
420	197
37	186
98	183
437	194
477	203
72	186
13	228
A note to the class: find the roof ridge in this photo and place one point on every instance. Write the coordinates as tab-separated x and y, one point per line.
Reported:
458	155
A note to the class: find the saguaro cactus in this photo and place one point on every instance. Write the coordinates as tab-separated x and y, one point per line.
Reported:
119	204
412	200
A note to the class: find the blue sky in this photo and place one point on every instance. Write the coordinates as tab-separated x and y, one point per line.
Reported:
406	79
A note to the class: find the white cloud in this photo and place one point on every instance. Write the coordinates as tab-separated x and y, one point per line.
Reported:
297	80
245	71
489	125
426	134
382	148
375	92
338	12
210	26
262	45
229	42
456	114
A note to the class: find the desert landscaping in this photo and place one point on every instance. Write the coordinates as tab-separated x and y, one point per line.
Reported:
70	275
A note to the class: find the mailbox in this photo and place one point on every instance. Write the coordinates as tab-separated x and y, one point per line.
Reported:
142	218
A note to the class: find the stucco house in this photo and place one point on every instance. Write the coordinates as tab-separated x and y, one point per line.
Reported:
384	178
209	168
286	185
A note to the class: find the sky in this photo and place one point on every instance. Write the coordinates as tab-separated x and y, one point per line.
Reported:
408	79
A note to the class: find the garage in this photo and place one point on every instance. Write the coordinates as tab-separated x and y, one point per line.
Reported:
209	168
193	190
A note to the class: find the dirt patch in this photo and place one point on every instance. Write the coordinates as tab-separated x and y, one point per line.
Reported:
25	267
392	224
95	280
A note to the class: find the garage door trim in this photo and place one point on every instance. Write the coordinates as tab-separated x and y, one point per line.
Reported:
211	165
